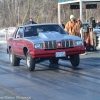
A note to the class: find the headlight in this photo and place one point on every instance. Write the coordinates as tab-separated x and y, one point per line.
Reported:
38	46
78	43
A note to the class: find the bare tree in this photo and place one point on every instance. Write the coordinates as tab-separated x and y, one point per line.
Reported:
14	12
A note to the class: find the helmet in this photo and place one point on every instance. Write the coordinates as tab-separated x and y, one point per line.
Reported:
72	17
86	20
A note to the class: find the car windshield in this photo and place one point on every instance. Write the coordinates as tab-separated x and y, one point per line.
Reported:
35	30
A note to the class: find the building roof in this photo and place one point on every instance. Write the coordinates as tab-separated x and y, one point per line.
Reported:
73	1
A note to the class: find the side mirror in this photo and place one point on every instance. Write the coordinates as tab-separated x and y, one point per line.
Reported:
17	36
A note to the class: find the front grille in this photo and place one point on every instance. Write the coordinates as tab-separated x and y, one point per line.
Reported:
50	45
67	43
71	43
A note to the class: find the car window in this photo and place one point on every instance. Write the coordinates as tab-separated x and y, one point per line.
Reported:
35	30
30	31
19	33
50	28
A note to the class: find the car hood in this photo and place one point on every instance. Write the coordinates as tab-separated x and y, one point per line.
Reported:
50	36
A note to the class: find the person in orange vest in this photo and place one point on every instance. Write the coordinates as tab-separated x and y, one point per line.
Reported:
72	26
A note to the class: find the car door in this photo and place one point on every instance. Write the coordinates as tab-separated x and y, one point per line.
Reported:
21	42
18	42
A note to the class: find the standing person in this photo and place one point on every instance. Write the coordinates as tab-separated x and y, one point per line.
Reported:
98	24
93	23
6	35
79	26
79	22
86	37
87	30
31	22
71	26
62	24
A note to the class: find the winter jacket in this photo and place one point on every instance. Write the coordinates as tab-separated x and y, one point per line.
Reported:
31	22
72	28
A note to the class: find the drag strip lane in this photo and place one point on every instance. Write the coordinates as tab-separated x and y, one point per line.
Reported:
48	83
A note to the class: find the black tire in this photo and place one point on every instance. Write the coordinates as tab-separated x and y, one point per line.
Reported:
15	61
53	60
90	48
75	60
30	62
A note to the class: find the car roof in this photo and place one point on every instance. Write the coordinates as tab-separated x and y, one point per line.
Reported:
85	23
39	24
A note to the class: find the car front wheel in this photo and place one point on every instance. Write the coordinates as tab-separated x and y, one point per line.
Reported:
75	60
30	62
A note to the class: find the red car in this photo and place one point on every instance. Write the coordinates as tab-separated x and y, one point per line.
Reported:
39	42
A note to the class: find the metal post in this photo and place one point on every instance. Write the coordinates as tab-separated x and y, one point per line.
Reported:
81	17
86	14
59	17
81	10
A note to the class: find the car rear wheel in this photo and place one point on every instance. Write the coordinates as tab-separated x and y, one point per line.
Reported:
54	60
75	60
15	61
30	62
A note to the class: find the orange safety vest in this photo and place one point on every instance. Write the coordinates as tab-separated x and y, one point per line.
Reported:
72	28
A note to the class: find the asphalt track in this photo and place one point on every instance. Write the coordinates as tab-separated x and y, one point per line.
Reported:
50	82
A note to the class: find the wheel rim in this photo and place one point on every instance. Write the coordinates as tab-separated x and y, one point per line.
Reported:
28	61
11	57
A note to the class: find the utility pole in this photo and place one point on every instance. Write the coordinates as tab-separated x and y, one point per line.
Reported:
59	11
86	14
